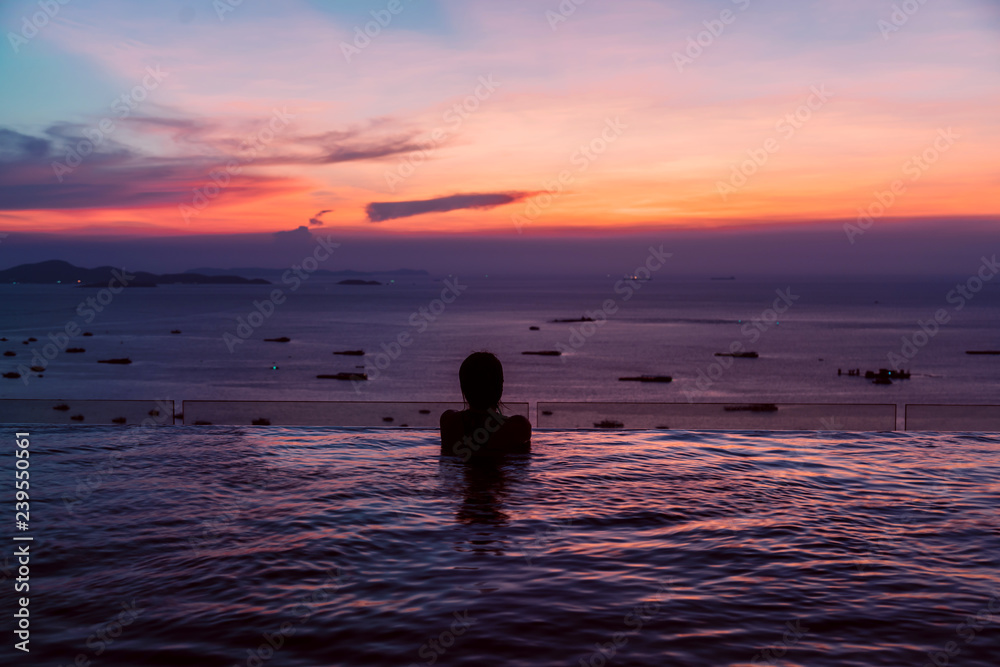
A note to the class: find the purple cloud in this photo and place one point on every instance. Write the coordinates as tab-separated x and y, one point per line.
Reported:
63	169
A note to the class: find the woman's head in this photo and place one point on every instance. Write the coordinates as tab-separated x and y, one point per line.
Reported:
481	378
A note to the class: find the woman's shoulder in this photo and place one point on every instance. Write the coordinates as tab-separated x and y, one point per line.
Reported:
454	417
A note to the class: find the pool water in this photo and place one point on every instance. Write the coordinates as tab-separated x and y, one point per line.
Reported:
295	546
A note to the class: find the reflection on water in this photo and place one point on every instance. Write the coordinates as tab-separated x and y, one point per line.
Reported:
275	546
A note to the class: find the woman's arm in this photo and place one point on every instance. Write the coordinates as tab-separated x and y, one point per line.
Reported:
451	432
514	434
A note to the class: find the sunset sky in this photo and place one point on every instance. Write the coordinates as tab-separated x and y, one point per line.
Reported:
456	117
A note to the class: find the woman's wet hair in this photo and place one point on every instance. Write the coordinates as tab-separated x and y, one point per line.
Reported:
481	378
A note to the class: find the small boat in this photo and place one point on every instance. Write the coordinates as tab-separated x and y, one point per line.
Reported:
647	378
545	353
738	355
343	376
982	351
753	407
885	373
352	353
124	360
608	423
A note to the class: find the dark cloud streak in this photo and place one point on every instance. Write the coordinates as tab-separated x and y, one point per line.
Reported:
382	211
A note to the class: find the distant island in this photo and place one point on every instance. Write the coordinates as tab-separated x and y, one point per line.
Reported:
57	271
276	274
356	281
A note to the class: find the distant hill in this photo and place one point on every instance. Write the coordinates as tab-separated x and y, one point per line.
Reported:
277	273
58	271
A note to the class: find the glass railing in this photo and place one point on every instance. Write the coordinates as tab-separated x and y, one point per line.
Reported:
732	416
45	411
325	413
984	418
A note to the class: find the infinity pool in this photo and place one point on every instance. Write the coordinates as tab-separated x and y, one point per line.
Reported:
294	546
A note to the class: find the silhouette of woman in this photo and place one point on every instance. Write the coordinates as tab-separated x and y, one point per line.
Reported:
481	431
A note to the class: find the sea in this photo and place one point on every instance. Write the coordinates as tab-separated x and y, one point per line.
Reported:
416	330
